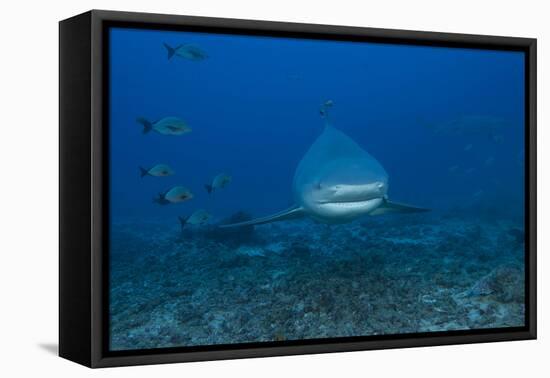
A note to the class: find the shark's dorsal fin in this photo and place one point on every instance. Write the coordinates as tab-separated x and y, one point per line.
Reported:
394	207
294	212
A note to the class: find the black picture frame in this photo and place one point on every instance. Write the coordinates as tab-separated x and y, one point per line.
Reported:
84	200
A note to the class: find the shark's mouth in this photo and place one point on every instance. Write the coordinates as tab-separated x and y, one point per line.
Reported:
365	204
351	194
350	201
344	211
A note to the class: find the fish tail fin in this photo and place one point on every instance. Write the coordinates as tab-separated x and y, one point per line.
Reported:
209	188
147	125
143	172
171	51
183	221
161	199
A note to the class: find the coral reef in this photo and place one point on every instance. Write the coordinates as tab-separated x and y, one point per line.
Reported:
300	280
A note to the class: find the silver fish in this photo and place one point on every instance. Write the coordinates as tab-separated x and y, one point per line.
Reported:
178	194
165	126
325	107
159	170
189	52
219	182
199	217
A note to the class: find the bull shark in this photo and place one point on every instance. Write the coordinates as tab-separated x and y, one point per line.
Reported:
337	182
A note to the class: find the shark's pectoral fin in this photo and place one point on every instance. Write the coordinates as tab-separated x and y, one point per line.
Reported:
394	207
291	213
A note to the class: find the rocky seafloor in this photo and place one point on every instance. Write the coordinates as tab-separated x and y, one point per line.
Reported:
301	280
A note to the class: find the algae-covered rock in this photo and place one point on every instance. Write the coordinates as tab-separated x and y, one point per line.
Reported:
505	283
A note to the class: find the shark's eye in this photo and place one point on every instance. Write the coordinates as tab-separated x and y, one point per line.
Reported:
318	186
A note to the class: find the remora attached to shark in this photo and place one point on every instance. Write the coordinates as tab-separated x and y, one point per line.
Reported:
336	182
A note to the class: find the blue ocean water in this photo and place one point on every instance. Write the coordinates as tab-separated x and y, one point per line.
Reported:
447	124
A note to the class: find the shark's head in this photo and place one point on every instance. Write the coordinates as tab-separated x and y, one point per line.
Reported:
343	190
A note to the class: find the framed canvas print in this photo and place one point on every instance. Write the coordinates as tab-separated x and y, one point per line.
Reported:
234	188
